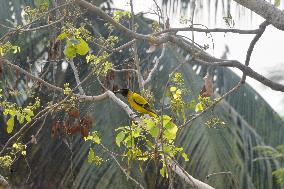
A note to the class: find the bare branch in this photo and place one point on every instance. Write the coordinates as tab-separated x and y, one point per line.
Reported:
120	166
4	61
75	71
106	17
188	178
213	30
4	183
266	10
157	61
262	28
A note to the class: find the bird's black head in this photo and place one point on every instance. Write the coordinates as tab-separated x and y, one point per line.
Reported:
124	92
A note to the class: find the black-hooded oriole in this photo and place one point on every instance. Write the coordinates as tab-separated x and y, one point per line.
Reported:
137	102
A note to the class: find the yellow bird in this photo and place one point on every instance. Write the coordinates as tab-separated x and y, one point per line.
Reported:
137	102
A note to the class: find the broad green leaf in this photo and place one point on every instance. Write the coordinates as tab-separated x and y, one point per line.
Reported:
152	127
119	138
166	119
170	131
10	124
82	48
62	36
129	141
69	51
199	107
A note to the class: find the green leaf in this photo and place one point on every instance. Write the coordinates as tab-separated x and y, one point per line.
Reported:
199	107
170	131
279	174
39	3
91	155
166	119
119	138
10	125
94	137
172	89
185	157
69	51
152	127
82	48
28	118
62	36
29	112
21	119
163	172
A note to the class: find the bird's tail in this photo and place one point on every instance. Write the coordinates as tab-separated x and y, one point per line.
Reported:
153	114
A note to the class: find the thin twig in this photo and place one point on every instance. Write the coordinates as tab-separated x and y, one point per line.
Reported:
155	67
121	168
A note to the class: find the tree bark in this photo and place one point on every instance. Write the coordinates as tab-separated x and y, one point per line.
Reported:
266	10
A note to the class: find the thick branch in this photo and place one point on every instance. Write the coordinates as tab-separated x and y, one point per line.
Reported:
266	10
188	178
4	183
92	8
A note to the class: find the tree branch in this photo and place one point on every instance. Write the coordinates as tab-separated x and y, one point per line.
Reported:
76	74
266	10
157	61
4	61
188	178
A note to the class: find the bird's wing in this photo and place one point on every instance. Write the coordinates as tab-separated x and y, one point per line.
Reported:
138	99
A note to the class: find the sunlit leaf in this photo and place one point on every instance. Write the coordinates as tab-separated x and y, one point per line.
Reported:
10	124
119	138
91	155
28	112
82	48
69	51
152	127
94	137
173	89
185	156
28	118
166	119
199	107
170	131
62	36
